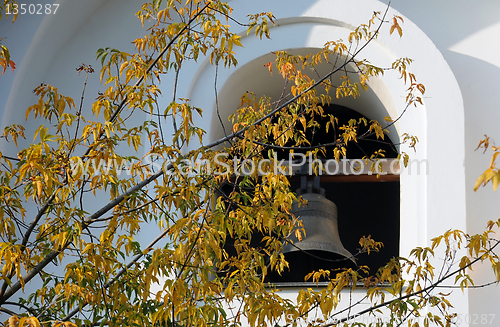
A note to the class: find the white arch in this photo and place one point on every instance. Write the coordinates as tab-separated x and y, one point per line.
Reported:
428	205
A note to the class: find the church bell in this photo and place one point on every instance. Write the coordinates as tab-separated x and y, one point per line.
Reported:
319	219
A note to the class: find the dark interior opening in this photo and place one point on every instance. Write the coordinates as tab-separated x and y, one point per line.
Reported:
356	150
364	208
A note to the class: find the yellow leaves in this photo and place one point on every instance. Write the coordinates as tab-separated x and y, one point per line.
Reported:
361	32
465	281
327	303
484	179
395	25
302	120
495	266
44	136
61	105
60	239
464	262
122	67
14	131
88	247
368	244
5	59
347	88
484	144
492	174
39	187
338	152
377	128
15	321
422	254
108	129
491	224
260	23
162	15
50	103
401	65
115	57
412	139
12	258
64	324
11	8
235	39
287	70
335	47
421	88
232	40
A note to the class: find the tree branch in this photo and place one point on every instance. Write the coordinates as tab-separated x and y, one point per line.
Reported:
424	290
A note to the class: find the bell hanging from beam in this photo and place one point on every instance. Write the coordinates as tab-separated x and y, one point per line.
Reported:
320	247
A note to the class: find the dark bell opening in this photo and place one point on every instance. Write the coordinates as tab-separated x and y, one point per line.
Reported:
363	209
356	150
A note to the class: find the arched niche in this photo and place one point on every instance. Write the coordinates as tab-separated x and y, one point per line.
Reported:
255	77
428	205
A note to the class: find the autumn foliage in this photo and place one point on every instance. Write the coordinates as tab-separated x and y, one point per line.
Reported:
50	216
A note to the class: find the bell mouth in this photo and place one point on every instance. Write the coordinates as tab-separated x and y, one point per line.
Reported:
322	247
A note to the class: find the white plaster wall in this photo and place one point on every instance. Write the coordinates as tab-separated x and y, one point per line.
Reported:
461	34
467	33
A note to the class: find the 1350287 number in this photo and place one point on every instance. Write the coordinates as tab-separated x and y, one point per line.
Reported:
31	9
474	319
